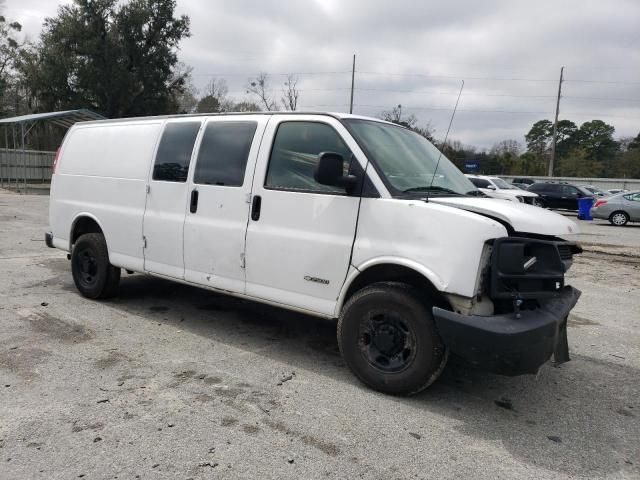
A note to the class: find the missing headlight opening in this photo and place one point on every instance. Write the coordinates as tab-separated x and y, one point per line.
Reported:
525	270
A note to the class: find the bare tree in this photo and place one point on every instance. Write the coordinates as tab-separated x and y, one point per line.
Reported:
185	98
395	116
214	98
511	147
259	87
290	93
411	122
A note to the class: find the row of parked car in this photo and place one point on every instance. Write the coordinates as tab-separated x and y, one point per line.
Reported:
617	205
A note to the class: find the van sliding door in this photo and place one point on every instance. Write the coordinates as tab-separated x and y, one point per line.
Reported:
219	190
167	199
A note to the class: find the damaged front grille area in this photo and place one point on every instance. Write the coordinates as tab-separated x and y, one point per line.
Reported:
524	268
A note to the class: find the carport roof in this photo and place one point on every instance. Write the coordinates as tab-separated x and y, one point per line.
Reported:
65	118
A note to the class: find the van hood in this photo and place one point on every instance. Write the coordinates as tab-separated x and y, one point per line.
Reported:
522	217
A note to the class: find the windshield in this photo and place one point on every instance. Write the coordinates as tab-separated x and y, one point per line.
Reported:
502	185
594	190
407	161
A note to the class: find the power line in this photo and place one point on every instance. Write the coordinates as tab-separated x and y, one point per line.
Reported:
612	82
604	98
514	79
459	110
253	74
455	77
436	92
424	75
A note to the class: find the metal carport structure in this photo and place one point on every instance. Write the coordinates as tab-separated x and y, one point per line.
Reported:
18	164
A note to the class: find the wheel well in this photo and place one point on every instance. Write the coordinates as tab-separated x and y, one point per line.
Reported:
84	225
396	273
618	211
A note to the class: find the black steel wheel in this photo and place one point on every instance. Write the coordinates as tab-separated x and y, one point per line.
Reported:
92	273
388	338
386	341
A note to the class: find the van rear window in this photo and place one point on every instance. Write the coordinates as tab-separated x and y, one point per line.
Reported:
174	151
222	159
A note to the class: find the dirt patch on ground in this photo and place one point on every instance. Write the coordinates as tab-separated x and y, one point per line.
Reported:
56	328
578	321
23	361
326	447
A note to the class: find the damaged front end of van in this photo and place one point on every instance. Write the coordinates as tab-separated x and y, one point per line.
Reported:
524	281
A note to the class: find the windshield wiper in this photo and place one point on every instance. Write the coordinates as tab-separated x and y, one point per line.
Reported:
430	188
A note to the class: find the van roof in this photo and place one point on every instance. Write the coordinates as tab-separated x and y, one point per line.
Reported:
338	116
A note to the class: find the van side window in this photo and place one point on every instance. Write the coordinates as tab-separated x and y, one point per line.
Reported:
223	154
295	154
174	151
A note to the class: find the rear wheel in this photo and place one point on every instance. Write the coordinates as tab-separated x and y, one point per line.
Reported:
387	336
618	219
92	273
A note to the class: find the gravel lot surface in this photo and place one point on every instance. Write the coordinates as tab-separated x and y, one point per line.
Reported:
169	381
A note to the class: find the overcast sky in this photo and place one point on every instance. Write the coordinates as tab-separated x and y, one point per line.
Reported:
415	53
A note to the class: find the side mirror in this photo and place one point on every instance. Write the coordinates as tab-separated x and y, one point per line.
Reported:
491	187
330	171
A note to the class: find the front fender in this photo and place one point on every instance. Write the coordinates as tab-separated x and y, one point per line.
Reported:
355	271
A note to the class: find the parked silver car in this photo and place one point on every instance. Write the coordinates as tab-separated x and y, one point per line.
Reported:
618	209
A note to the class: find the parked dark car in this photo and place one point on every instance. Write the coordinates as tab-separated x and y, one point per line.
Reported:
523	181
559	195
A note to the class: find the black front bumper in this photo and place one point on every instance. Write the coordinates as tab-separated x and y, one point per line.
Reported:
508	345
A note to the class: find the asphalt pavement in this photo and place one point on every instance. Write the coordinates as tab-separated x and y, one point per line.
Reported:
170	381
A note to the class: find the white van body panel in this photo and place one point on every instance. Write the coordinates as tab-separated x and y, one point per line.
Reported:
306	249
102	174
164	214
214	236
420	235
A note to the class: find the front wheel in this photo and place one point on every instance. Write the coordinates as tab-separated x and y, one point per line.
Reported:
618	219
92	273
387	336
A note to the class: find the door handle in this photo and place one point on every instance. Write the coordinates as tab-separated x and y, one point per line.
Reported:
256	205
193	206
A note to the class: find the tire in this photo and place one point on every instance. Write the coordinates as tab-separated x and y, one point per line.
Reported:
387	337
92	273
619	218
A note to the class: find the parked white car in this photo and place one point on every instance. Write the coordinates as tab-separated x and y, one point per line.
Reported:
337	216
616	191
496	187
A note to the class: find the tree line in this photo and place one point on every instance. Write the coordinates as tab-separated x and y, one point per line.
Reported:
120	59
589	150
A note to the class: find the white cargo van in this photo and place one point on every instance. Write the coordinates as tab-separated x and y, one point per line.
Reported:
337	216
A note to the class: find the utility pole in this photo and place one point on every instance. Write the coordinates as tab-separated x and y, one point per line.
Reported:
555	126
353	78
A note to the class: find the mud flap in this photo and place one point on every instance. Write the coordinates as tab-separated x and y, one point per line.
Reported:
561	352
